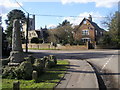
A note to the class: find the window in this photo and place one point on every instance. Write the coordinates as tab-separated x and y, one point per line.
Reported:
29	34
96	32
85	32
86	39
84	22
31	23
101	33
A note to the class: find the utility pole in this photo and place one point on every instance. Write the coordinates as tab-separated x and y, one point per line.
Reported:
0	37
27	33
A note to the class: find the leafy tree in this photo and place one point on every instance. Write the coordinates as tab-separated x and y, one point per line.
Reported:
112	37
14	14
62	34
64	23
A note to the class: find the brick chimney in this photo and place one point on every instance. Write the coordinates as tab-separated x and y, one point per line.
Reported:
90	17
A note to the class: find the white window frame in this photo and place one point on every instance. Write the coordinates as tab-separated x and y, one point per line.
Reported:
85	32
86	39
96	32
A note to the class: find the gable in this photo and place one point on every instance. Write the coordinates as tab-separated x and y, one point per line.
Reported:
87	24
32	33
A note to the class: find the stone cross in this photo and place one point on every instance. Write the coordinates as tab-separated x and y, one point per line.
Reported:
16	38
16	55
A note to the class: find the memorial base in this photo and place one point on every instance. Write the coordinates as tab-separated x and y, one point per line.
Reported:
16	57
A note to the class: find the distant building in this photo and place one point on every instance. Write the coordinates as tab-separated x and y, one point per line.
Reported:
31	26
40	33
0	20
88	30
44	34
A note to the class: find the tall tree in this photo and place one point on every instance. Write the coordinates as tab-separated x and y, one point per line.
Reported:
62	34
113	35
64	23
14	14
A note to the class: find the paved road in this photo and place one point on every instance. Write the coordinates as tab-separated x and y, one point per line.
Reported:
105	61
79	75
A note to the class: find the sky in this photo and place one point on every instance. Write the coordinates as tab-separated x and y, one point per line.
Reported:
62	9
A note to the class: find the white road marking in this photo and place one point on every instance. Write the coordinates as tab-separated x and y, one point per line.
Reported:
106	63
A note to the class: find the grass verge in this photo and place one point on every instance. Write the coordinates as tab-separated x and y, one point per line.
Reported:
47	80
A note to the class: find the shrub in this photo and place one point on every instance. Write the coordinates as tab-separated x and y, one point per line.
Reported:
77	42
49	64
53	58
30	58
45	59
35	40
39	66
25	69
50	61
5	61
9	72
40	41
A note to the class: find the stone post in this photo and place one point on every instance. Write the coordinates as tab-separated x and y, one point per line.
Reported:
87	44
16	55
16	85
34	75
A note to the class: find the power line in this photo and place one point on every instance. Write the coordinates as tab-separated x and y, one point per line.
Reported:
65	16
54	15
21	6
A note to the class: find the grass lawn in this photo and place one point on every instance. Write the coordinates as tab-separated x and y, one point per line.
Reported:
46	80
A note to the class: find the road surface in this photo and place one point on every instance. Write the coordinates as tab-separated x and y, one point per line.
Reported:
105	62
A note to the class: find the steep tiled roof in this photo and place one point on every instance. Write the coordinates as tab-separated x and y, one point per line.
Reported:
38	33
95	25
92	23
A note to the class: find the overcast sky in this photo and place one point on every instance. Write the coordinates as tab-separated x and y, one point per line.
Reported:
65	8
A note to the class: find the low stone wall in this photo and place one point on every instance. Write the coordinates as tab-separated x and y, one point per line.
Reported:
48	46
39	46
75	47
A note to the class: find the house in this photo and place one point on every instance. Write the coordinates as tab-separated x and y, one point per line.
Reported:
32	34
40	33
88	30
31	24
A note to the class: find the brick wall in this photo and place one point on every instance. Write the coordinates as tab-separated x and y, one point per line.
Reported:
39	46
76	47
48	46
